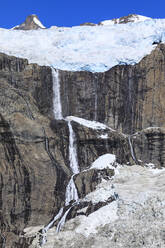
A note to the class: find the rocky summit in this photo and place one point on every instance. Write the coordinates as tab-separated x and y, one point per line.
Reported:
31	23
82	139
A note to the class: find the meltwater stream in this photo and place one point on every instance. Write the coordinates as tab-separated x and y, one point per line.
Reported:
131	147
71	191
57	108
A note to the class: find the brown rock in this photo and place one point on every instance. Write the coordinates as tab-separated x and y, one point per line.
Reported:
31	23
34	149
127	97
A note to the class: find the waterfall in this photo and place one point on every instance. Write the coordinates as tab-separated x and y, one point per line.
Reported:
45	229
132	151
62	221
57	108
72	150
71	192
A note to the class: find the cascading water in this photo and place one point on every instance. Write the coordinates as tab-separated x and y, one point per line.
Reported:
72	150
131	147
62	221
46	228
71	191
57	108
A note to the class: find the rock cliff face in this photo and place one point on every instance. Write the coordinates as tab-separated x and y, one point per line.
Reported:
127	98
34	157
34	148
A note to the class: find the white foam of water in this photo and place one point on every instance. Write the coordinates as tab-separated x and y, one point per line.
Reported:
72	150
71	192
57	108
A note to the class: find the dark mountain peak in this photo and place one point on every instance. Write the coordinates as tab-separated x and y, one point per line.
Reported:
32	22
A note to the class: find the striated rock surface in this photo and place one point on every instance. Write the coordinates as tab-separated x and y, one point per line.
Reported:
128	98
34	150
149	146
31	163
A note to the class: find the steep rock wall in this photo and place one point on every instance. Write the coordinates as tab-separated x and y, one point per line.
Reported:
34	149
127	97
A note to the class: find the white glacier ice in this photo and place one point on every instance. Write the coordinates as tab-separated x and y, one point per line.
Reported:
104	161
96	48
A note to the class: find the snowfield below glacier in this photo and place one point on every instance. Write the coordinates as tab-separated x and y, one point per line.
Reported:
95	49
135	219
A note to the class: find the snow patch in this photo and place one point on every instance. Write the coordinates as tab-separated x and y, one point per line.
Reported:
134	19
87	123
103	191
35	19
104	136
101	217
104	161
157	171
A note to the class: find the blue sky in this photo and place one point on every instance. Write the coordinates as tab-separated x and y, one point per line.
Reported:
75	12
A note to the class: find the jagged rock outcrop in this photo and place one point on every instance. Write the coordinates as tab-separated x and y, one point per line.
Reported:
31	23
125	19
87	181
149	146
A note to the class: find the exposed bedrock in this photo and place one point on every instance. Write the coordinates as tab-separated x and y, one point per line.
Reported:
127	97
87	181
149	146
92	143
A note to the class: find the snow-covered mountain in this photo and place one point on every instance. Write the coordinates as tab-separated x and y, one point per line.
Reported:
125	19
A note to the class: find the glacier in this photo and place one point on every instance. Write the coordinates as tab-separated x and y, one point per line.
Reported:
85	48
